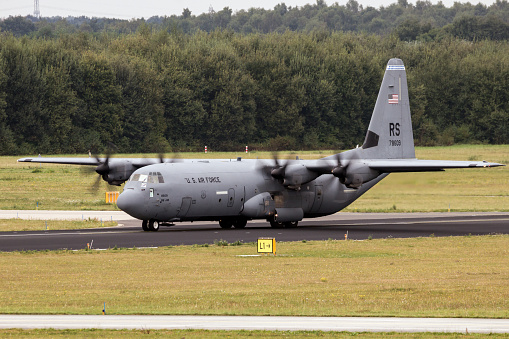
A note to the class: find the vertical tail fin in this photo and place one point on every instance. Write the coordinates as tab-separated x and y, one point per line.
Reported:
390	134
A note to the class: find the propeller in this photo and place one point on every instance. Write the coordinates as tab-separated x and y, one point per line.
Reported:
351	173
161	150
175	158
278	171
102	168
341	170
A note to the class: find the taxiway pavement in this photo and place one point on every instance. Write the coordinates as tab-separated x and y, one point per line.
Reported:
349	324
357	226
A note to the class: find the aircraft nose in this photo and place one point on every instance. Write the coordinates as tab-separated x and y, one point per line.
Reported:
127	201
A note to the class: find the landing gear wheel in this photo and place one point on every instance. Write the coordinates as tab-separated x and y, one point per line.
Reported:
144	225
225	223
288	224
240	223
291	224
276	224
153	225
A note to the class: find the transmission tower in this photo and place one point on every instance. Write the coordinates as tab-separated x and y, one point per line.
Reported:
37	12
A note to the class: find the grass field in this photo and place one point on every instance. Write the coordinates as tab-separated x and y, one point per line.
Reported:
422	277
67	187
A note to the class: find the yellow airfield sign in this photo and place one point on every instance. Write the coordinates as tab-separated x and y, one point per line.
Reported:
267	245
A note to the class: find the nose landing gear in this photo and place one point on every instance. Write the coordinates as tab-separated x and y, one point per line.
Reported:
150	225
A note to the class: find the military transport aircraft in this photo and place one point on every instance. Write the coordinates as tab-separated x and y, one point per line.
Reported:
232	192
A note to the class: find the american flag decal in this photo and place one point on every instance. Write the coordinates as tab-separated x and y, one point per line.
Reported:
393	99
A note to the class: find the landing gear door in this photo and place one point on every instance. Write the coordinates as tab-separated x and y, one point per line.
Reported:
184	208
318	198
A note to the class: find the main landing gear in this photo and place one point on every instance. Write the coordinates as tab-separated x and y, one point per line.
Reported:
150	225
229	223
288	224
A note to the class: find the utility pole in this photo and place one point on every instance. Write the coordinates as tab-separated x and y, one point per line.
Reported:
37	12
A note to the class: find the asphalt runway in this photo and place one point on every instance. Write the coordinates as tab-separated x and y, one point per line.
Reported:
358	226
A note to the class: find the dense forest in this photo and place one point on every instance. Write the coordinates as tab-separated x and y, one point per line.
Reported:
422	21
67	88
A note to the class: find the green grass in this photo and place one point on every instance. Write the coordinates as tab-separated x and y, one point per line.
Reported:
52	333
68	187
422	277
10	225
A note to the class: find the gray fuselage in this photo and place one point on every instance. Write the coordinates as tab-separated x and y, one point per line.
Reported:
215	189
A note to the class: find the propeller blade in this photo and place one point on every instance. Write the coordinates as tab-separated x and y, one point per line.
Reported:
95	186
340	171
103	168
278	171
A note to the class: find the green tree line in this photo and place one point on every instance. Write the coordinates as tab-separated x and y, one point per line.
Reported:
420	21
157	91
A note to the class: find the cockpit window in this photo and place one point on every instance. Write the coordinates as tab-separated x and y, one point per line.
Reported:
152	178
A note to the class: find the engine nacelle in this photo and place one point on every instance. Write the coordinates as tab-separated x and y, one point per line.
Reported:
357	174
118	172
298	174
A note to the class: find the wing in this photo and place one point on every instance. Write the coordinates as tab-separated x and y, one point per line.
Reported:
67	161
416	165
137	162
115	171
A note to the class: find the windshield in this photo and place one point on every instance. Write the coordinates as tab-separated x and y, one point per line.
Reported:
151	178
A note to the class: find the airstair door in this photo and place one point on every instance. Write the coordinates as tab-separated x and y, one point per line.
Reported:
231	197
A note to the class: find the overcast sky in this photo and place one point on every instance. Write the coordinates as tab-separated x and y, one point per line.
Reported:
128	9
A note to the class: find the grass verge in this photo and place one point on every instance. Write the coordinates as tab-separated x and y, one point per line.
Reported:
423	277
15	225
